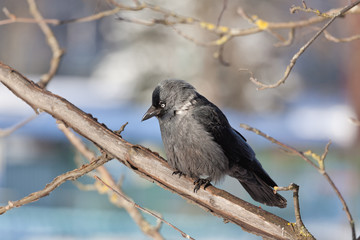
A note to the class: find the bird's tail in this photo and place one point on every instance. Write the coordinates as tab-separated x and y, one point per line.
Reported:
263	193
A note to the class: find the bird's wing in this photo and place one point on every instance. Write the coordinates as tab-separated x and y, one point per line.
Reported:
240	134
216	124
234	145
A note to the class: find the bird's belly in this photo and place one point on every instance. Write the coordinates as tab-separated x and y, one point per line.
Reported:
192	151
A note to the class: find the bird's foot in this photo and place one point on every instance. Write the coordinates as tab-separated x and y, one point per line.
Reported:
199	182
177	172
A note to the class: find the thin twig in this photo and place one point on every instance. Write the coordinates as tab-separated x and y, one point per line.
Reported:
57	52
225	3
188	37
7	131
302	230
145	226
93	17
224	33
219	54
261	24
144	209
12	18
262	86
343	202
305	8
55	48
288	41
122	128
320	167
177	19
287	147
330	37
71	175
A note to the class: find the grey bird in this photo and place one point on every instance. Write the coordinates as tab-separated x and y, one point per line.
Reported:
200	143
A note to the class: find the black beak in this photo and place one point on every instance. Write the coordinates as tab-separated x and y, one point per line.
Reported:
152	111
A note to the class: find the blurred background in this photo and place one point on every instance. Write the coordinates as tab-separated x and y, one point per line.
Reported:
110	69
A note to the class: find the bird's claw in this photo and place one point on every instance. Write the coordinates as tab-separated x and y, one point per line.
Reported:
199	182
177	172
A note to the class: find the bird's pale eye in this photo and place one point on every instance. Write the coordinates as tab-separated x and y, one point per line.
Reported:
162	105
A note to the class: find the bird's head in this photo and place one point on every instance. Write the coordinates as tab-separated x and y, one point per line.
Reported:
168	96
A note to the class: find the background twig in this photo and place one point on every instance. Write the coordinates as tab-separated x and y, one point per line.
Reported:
296	56
145	226
320	167
7	131
144	209
302	230
71	175
57	52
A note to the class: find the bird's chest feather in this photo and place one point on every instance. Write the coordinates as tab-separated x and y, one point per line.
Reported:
191	149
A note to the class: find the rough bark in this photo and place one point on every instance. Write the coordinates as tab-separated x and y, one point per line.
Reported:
147	163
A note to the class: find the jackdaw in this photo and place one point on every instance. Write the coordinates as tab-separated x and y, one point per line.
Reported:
199	142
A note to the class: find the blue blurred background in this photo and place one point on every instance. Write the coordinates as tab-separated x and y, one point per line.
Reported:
110	69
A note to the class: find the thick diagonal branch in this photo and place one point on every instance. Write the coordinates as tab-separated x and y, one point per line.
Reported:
146	163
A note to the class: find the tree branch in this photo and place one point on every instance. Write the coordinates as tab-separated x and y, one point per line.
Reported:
296	56
145	162
12	18
71	175
52	42
320	167
145	226
7	131
299	223
135	205
330	37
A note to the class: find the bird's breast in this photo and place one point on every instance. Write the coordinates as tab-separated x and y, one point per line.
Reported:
191	149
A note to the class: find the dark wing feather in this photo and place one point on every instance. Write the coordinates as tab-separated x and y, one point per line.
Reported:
238	152
240	135
243	164
215	122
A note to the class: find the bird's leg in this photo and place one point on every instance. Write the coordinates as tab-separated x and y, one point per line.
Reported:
200	181
177	172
